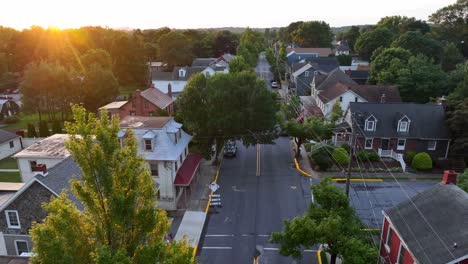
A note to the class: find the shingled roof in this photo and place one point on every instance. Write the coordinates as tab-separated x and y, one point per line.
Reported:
370	93
432	222
332	78
156	97
6	136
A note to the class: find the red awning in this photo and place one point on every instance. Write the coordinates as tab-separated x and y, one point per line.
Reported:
187	170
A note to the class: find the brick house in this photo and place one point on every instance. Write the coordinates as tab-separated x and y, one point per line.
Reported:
431	227
150	102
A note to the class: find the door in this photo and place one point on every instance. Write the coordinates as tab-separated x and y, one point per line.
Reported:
385	143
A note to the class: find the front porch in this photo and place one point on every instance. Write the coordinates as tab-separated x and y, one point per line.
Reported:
385	153
186	179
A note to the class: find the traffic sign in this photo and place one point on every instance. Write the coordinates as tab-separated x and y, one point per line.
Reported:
213	186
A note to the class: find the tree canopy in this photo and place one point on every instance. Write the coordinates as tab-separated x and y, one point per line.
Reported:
371	40
315	34
175	49
416	43
120	222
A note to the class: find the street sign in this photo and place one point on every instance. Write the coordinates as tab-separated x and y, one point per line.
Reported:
213	186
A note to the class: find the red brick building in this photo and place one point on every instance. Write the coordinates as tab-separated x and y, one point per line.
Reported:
431	227
150	102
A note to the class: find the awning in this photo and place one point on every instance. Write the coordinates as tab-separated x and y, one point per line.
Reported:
187	170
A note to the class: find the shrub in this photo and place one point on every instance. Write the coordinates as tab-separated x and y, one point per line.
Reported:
362	155
56	127
11	120
341	156
347	147
308	146
408	157
373	156
31	131
422	161
43	129
322	158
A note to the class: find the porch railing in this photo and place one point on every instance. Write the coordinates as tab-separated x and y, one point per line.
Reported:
383	153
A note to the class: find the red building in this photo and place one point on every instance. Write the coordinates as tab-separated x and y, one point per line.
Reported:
150	102
431	227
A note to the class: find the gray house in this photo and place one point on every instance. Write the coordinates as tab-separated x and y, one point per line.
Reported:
303	73
24	207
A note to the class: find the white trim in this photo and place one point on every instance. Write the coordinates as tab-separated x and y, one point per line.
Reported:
372	127
435	145
388	239
3	250
448	145
399	252
16	246
458	259
8	219
402	128
301	70
404	144
372	143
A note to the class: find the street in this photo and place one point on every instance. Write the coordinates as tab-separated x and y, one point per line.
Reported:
263	70
254	206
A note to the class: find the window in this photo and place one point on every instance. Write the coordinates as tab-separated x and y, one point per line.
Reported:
33	164
401	254
146	105
388	240
132	113
176	166
341	98
315	73
186	151
370	125
148	144
12	219
306	73
180	158
369	142
355	99
431	145
21	247
403	126
12	144
401	144
154	169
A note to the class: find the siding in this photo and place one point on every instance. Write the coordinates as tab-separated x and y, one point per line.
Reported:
416	145
6	150
25	167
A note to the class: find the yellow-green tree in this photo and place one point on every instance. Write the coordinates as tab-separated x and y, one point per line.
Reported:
120	222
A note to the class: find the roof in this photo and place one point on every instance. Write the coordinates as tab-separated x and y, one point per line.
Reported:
432	221
332	78
187	170
342	46
143	122
203	61
296	66
358	74
370	93
6	136
50	147
13	260
157	97
114	105
161	76
324	61
324	52
157	64
333	92
310	107
5	196
11	186
427	120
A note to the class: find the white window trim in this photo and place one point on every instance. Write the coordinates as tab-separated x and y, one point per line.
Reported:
367	125
399	252
372	143
8	219
400	126
144	144
435	145
401	147
388	240
306	73
16	246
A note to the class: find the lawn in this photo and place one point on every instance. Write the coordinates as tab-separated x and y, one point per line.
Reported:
10	176
23	123
8	163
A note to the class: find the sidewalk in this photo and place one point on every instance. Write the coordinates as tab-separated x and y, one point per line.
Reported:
304	164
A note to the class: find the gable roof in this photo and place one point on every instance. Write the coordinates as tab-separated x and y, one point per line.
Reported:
174	75
50	147
374	93
432	221
332	78
114	105
359	74
333	92
161	76
156	97
6	136
203	61
427	120
324	52
296	66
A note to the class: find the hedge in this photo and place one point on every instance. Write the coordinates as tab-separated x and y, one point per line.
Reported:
422	161
341	156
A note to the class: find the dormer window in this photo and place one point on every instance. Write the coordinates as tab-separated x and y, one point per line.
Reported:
148	141
403	124
306	73
181	73
370	123
148	144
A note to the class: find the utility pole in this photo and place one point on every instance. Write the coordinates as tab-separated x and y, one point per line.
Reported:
351	152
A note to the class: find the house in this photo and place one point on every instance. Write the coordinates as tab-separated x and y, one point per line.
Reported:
294	55
302	73
324	82
8	107
41	155
164	145
392	129
10	143
431	227
359	76
150	102
342	48
22	206
345	94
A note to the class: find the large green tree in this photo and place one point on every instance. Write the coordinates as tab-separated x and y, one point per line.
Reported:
99	87
416	42
369	41
331	221
451	57
251	44
401	24
236	105
313	34
175	49
462	180
120	222
386	64
350	36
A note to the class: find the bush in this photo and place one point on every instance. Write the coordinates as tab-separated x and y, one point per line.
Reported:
322	158
373	156
31	131
43	129
56	127
11	120
347	147
341	156
422	161
408	157
362	156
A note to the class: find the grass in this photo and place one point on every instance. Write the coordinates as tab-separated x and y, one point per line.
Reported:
24	120
8	163
10	176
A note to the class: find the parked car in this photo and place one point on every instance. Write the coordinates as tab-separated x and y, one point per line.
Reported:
230	149
274	85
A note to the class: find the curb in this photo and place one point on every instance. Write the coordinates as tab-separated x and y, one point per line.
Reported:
343	180
300	170
319	254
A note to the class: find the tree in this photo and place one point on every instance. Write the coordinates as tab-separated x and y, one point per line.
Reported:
462	180
336	112
330	221
96	56
381	70
43	129
120	222
251	44
458	82
56	127
313	34
344	60
416	43
451	57
225	42
350	36
401	24
238	64
32	133
371	40
175	49
457	114
236	105
99	87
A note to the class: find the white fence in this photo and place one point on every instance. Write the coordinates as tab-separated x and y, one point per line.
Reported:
394	155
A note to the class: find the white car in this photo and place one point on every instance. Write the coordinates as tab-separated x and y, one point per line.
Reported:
274	85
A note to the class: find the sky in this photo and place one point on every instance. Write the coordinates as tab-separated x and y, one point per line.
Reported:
143	14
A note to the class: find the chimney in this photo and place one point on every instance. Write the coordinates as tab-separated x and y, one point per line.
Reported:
442	101
450	176
152	85
137	93
40	169
169	90
382	98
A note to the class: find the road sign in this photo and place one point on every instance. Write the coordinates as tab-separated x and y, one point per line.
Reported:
213	186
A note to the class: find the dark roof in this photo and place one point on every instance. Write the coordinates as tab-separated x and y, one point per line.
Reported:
342	46
153	122
359	74
332	78
189	72
296	66
333	92
203	61
374	93
13	260
161	76
427	120
324	61
156	97
58	178
6	136
439	213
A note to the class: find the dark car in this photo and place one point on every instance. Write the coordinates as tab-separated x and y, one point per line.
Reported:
230	149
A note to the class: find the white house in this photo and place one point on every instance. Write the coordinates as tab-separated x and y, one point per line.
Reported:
164	145
41	155
9	144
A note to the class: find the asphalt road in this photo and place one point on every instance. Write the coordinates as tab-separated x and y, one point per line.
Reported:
263	70
254	206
